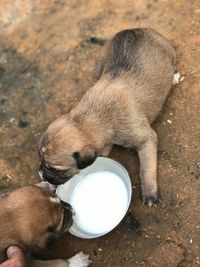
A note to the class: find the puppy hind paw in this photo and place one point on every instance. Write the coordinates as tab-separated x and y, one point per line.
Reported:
176	78
79	260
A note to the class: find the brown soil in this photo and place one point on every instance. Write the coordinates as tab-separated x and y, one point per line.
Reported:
46	65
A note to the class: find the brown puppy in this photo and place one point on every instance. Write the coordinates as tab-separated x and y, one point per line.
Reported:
31	218
136	71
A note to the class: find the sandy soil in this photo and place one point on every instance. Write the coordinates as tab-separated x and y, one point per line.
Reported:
47	64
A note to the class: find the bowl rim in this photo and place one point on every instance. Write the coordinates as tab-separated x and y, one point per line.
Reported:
128	185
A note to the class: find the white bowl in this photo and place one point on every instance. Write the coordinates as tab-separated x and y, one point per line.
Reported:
66	190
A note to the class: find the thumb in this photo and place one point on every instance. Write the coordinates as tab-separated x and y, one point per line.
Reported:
15	258
14	252
16	255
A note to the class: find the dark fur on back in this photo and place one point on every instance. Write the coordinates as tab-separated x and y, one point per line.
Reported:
124	57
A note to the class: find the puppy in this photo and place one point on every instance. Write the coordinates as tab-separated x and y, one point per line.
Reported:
135	73
31	218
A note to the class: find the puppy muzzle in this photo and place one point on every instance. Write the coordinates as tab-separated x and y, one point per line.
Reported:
52	175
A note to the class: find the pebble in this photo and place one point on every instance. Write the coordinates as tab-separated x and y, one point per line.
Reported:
23	123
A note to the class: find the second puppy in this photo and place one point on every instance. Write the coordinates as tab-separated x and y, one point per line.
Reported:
31	218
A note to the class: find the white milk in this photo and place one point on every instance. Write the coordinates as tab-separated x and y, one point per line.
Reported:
100	202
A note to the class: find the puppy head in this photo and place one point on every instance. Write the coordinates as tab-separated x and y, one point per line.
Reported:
38	216
64	149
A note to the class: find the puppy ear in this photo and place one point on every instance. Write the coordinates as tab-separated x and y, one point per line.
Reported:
85	157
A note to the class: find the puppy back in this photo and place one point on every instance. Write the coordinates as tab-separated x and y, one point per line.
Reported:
131	50
123	52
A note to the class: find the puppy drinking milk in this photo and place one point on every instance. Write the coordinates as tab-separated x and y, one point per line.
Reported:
135	73
31	218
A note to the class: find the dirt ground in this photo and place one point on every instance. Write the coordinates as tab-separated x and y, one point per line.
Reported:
47	60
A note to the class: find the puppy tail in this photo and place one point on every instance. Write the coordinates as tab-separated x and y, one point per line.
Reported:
98	41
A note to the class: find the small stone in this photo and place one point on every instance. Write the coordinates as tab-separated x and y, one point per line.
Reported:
23	123
9	178
181	203
169	121
12	120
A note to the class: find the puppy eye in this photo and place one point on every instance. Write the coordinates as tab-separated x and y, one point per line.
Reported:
51	228
52	236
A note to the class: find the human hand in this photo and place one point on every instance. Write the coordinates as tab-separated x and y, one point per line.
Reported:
15	258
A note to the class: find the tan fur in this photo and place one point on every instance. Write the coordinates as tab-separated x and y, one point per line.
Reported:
26	215
135	73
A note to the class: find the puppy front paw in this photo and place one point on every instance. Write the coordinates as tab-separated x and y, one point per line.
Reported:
151	199
46	185
79	260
